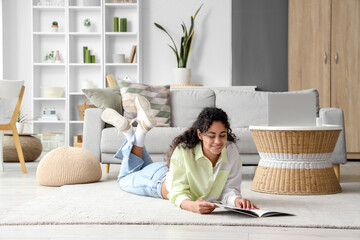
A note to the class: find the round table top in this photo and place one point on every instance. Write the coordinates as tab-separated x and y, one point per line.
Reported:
296	128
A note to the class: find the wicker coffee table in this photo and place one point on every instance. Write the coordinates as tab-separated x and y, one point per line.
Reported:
295	160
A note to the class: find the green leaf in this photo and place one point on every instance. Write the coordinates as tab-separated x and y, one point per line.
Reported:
160	27
182	48
181	63
176	53
198	11
187	50
184	29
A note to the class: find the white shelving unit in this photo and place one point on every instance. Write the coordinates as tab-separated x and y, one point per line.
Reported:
70	39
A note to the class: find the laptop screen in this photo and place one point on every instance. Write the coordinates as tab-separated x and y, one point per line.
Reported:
290	109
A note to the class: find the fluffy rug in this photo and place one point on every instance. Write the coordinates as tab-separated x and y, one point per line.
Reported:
105	203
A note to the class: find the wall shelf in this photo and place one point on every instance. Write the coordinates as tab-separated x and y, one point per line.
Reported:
50	64
121	34
122	64
50	33
85	34
121	5
70	39
49	99
49	122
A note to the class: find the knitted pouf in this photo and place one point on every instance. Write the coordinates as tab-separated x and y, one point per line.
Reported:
31	147
68	165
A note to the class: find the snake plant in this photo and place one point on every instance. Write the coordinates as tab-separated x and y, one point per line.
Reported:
182	56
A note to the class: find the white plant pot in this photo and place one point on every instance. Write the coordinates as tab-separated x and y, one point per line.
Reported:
54	29
20	127
181	76
88	29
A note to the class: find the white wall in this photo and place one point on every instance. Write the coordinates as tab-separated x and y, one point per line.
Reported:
17	45
210	57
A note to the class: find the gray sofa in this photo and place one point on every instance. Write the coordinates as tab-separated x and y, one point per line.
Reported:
244	108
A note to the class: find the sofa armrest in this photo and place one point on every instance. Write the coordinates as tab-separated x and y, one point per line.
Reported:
336	116
93	126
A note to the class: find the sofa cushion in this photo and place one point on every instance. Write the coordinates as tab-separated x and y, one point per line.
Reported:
158	140
246	108
243	107
110	140
187	104
245	142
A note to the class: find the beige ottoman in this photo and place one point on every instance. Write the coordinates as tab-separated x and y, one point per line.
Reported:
31	147
68	165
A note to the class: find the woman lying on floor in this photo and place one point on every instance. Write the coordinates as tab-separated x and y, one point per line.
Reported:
203	164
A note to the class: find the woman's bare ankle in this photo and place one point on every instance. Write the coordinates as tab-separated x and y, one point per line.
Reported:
137	151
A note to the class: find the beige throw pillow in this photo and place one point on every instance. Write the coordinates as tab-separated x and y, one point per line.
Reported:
158	96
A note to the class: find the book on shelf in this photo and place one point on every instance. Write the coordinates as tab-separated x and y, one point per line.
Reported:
254	212
110	80
132	54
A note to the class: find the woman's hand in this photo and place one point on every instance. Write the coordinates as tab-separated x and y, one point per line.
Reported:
244	203
200	206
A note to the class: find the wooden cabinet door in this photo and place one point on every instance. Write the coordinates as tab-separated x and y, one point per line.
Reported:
309	44
345	73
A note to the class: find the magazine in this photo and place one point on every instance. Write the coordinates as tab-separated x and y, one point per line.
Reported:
254	212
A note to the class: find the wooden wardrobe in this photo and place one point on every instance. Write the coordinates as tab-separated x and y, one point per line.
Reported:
324	53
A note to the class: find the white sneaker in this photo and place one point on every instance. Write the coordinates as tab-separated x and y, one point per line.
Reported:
112	117
144	117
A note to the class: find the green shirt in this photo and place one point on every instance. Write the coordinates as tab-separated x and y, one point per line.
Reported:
192	176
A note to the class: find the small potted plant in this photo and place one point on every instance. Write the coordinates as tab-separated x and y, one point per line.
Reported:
49	58
182	74
21	119
87	24
55	26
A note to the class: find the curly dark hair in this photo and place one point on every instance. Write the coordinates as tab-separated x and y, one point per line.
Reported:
189	138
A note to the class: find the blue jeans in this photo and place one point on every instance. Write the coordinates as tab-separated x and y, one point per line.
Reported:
140	176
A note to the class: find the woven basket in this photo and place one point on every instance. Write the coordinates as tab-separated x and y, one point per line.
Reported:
82	109
295	162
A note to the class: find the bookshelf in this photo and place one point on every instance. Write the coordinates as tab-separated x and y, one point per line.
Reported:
72	73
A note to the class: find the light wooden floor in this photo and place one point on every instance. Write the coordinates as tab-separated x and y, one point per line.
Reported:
16	188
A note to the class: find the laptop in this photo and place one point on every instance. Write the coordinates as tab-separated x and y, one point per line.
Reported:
289	109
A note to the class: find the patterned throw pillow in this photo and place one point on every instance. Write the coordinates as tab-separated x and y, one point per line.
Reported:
158	97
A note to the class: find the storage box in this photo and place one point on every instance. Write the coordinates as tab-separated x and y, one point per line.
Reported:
51	141
78	141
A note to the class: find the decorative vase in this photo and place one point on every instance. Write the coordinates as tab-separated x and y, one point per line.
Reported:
116	24
20	127
57	57
181	76
118	58
123	24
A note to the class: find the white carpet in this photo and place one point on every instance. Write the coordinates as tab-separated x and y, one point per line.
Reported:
105	203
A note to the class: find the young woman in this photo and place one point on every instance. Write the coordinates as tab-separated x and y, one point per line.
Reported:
202	167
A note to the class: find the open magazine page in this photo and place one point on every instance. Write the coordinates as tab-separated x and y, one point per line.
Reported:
254	212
